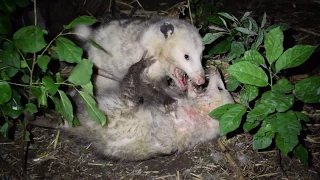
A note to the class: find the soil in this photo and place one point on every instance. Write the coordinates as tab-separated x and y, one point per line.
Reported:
222	158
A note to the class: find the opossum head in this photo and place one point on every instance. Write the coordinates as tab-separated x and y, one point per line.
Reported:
214	95
182	51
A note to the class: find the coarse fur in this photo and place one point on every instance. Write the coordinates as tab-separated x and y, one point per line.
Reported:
138	89
145	131
174	43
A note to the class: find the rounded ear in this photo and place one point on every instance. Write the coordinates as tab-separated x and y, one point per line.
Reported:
167	29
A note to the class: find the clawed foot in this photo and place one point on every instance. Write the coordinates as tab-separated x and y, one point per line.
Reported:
170	105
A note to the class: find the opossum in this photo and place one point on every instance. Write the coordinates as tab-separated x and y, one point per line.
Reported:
137	89
175	43
145	131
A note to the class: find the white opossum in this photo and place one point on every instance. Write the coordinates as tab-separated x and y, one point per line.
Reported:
146	131
175	43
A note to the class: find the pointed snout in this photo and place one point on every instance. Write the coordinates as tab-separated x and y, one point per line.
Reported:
198	77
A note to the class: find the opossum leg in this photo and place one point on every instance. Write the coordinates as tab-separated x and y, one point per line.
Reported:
135	87
156	95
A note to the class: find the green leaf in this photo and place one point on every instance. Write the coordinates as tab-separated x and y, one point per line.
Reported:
8	6
248	73
210	37
81	74
22	3
10	62
261	142
59	79
247	126
301	153
5	25
228	16
308	90
32	108
8	46
88	88
14	108
246	14
255	26
259	40
302	116
96	45
280	143
5	92
282	26
282	86
81	20
224	22
231	120
254	57
236	50
25	78
214	19
4	76
245	31
248	94
68	51
95	113
23	64
57	105
43	62
29	39
5	129
294	57
277	100
232	83
288	127
76	122
259	112
218	112
264	20
50	85
66	107
221	47
273	43
41	95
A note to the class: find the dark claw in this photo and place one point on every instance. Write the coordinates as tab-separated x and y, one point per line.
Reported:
170	105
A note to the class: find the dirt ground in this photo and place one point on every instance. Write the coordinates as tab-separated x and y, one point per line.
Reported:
218	159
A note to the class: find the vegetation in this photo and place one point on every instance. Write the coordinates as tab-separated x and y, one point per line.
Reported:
29	86
257	60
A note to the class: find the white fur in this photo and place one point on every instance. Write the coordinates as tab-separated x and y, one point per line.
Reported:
144	132
127	43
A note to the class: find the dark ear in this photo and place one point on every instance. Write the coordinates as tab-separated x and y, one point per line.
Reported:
167	28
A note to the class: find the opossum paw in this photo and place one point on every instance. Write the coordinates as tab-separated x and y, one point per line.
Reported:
170	105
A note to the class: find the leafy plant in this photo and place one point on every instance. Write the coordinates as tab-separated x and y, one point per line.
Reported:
29	84
267	98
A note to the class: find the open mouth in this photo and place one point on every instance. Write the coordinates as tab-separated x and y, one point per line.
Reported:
180	78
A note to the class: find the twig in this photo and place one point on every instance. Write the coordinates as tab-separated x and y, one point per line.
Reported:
23	150
307	31
230	159
190	12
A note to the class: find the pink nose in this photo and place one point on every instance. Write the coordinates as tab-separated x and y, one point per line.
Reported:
199	79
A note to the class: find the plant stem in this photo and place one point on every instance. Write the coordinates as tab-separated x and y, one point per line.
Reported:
23	85
189	7
23	58
270	75
51	43
25	152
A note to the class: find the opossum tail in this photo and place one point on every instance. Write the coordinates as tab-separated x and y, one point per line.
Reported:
83	32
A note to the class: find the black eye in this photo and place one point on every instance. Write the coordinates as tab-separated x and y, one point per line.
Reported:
220	89
186	56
